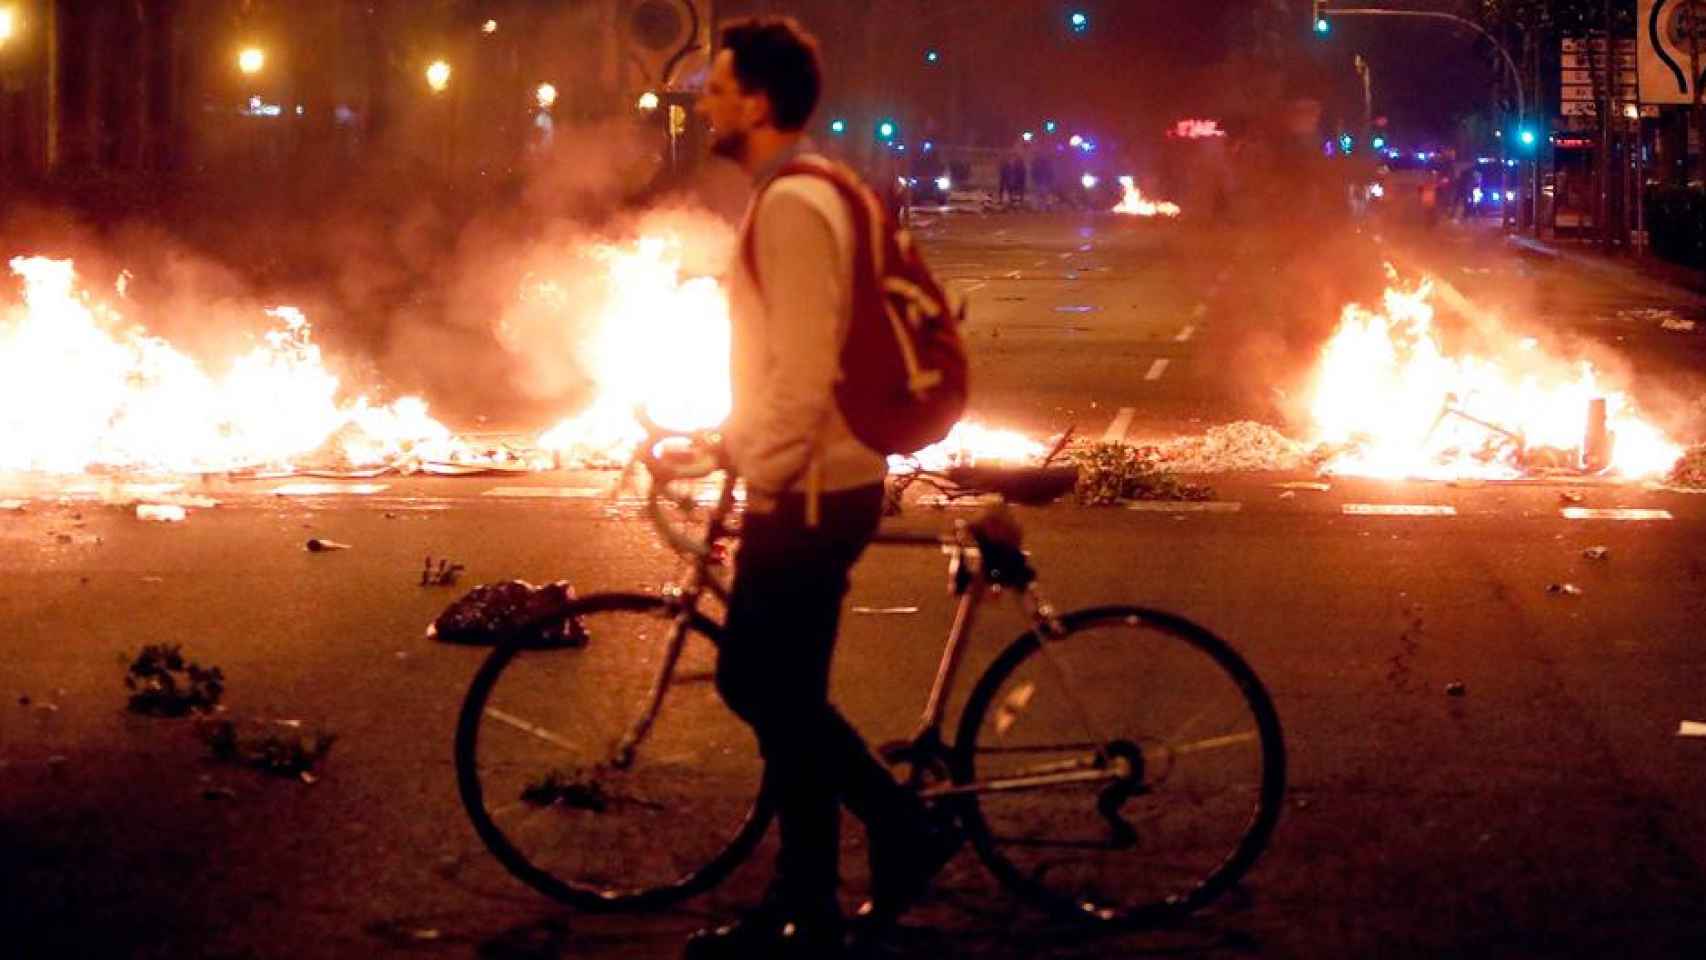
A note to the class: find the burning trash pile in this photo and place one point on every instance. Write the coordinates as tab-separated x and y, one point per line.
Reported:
1134	203
1390	401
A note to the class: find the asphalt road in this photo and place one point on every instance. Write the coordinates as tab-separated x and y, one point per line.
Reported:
1550	810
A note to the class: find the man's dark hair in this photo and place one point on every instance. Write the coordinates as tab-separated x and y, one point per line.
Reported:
777	57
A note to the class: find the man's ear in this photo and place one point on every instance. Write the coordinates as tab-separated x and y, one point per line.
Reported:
758	112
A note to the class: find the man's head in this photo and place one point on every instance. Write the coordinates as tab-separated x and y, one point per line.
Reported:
765	82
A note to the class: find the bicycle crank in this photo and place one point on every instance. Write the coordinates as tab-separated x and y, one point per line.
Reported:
1128	758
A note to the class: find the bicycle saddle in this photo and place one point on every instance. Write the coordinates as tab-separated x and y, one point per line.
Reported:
1000	541
1031	486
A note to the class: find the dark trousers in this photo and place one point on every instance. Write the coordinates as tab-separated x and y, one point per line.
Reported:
773	670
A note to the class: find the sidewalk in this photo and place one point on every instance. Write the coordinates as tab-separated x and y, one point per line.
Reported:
1645	272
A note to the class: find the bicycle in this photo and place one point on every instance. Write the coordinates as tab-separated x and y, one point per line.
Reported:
587	790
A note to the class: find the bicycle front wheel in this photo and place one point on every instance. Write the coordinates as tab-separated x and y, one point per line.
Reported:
1128	771
538	772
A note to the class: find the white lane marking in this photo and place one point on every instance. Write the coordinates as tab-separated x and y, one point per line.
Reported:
1067	255
1199	311
1399	510
1186	334
1621	513
548	493
1122	422
1042	261
971	288
1184	506
328	489
1156	369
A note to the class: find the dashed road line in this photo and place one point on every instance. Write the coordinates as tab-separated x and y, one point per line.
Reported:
1122	422
1399	510
1186	334
1156	369
547	493
328	489
1619	513
1185	506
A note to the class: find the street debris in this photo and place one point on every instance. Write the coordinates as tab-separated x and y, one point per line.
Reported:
1691	728
443	575
1570	496
161	512
511	611
1288	495
1690	469
568	788
13	506
881	611
319	545
1012	706
218	793
1309	485
277	747
1243	445
1456	688
1678	324
1596	553
1111	472
163	684
1564	589
1666	318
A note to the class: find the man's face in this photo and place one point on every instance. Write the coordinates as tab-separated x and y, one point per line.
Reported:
732	113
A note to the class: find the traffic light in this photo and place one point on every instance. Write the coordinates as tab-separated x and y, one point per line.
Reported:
932	56
1049	126
1323	26
1347	143
1527	137
1378	143
838	126
1080	21
887	130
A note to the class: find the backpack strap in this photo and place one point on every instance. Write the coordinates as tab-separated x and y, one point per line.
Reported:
863	209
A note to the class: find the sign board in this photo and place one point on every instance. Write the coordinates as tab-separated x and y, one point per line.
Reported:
1625	78
1666	49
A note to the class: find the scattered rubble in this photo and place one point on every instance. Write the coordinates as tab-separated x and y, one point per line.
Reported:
1564	590
1111	472
1570	496
13	506
443	575
161	512
568	788
1596	553
279	747
1244	445
1456	688
319	545
164	684
884	611
511	610
1691	728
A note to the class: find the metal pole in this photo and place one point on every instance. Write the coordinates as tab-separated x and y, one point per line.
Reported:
1516	75
1697	118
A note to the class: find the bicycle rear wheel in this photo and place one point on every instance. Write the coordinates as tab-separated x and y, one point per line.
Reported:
1128	771
536	772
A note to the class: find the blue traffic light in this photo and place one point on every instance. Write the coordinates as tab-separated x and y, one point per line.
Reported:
838	126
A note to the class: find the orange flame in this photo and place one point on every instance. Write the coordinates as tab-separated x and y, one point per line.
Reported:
1135	204
1387	391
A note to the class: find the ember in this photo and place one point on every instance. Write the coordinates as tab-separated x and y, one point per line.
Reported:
1135	204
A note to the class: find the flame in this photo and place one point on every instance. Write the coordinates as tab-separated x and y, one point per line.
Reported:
970	443
1401	406
1137	205
81	388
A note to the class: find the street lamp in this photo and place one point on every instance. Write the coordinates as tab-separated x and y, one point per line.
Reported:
438	76
648	101
8	24
251	60
1027	136
546	95
489	27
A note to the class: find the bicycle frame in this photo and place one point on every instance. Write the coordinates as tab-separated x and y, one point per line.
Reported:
970	582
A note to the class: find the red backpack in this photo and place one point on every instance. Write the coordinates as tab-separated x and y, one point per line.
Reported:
903	365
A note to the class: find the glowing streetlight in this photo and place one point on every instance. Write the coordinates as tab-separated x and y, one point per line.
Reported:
489	27
1076	141
649	101
546	95
438	76
1089	180
1027	136
8	24
251	60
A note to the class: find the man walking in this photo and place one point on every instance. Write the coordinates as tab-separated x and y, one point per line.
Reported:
814	498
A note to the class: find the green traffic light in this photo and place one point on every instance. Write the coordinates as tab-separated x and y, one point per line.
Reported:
838	127
1049	126
1378	143
1322	27
1080	21
887	129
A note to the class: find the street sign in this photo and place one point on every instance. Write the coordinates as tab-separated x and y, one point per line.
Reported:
1625	78
1666	50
